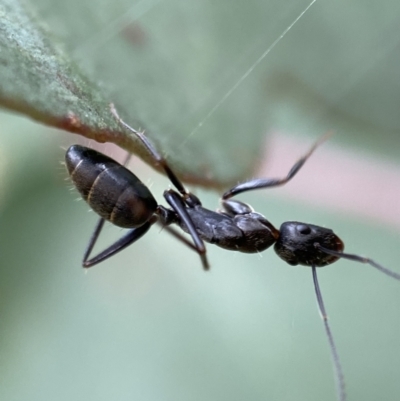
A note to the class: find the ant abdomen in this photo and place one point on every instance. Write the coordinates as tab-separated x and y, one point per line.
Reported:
297	244
110	189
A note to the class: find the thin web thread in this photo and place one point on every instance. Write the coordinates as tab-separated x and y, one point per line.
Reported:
141	8
247	73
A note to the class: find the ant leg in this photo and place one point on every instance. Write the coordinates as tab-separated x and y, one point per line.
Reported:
128	239
160	161
233	207
176	234
360	259
335	356
179	207
167	217
93	240
274	182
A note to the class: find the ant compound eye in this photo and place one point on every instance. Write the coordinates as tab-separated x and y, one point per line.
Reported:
303	229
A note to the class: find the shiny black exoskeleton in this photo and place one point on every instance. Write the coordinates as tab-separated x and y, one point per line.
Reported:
119	197
111	190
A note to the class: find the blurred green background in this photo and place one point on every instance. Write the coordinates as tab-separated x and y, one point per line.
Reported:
149	324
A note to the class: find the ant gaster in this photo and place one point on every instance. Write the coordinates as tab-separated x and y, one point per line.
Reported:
119	197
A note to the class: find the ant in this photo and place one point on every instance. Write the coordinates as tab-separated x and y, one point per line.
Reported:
119	197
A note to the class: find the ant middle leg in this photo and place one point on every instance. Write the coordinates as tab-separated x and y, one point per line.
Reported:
180	237
180	208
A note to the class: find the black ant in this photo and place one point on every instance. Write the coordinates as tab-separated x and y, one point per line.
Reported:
118	196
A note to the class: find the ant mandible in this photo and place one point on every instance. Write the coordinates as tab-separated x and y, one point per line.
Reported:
119	197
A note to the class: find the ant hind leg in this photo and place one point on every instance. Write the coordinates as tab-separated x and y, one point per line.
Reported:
159	160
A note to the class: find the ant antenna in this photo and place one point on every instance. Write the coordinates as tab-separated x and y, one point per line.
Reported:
336	362
360	259
337	367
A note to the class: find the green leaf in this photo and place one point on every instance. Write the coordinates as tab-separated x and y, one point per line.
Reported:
168	71
188	73
40	80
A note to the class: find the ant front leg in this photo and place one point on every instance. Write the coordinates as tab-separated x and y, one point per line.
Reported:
274	182
233	207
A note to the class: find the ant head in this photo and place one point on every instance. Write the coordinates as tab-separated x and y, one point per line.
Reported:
297	244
